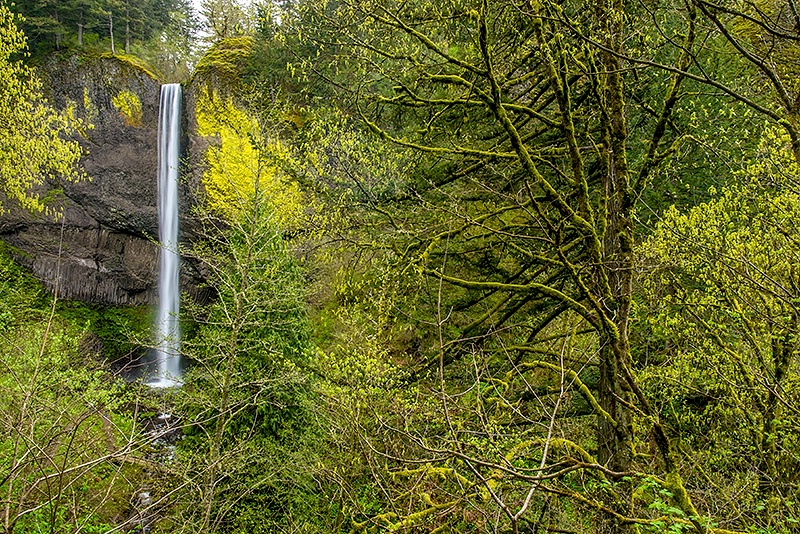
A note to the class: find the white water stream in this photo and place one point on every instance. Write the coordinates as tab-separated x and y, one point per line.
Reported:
168	343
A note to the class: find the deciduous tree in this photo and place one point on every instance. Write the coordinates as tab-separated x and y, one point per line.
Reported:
34	140
520	215
723	330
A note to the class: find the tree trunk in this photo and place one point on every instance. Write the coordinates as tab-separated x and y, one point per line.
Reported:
615	443
127	30
80	28
111	32
58	32
781	362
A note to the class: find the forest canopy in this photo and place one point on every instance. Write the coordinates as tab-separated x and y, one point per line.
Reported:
478	266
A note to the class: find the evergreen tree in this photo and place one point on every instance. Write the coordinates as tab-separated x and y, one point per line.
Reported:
52	25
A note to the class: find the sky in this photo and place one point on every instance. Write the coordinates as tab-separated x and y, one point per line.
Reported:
196	5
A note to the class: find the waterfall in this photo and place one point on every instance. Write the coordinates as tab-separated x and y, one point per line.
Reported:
168	344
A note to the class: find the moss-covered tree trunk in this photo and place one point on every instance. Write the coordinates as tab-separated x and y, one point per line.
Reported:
615	441
782	351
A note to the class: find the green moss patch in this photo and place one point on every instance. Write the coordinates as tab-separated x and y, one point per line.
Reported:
223	64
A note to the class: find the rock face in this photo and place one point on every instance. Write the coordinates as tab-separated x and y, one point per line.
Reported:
103	250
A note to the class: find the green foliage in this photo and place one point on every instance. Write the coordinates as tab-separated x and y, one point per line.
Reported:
119	332
54	25
33	144
246	397
225	19
172	50
722	320
502	155
129	106
22	297
757	35
246	161
63	422
483	167
60	431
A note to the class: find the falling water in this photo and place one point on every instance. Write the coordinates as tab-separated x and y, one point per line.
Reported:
167	328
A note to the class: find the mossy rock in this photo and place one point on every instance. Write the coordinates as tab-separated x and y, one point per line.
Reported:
103	87
224	63
136	63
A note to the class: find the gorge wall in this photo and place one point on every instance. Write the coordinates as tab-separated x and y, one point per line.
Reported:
105	245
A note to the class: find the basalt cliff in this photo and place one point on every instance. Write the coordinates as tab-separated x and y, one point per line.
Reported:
103	249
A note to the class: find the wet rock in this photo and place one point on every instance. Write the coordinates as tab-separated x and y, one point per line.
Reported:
107	251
